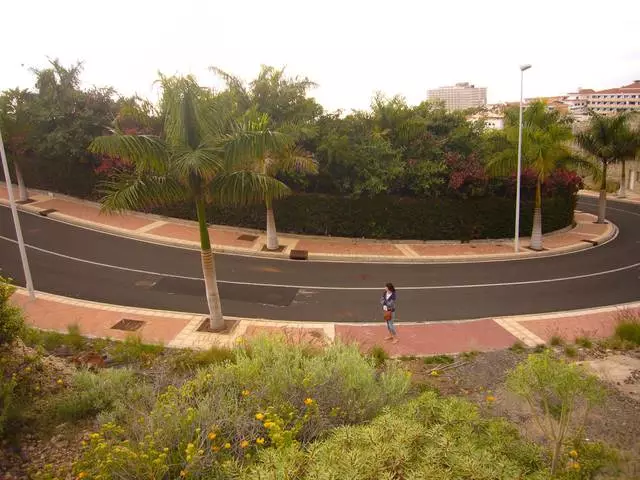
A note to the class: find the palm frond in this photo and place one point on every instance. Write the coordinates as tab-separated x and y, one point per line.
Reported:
236	86
203	162
252	142
293	159
130	192
146	152
244	188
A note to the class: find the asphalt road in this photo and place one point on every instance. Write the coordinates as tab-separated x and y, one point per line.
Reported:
81	263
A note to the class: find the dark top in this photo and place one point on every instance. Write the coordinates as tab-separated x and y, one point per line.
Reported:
390	302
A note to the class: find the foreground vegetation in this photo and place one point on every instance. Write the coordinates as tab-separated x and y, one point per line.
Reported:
271	408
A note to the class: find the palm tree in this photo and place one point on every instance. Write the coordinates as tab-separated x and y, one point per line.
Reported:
609	139
546	146
15	122
198	156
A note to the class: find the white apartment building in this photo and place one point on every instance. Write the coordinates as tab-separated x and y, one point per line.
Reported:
460	96
607	102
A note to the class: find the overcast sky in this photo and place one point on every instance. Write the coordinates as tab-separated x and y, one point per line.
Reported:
350	48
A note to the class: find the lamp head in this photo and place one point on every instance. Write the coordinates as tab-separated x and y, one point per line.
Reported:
525	67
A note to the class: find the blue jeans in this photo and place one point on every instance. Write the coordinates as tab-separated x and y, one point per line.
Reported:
390	326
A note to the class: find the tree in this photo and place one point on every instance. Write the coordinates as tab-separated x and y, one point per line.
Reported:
545	147
609	139
198	156
15	123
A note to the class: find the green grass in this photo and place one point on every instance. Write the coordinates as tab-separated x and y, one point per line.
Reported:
540	348
571	351
74	338
628	327
469	355
584	342
438	360
379	355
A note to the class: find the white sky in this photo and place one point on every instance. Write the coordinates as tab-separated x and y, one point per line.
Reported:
350	48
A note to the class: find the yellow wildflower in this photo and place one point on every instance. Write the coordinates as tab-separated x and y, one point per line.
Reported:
82	475
28	370
246	393
212	436
573	453
490	398
576	466
260	441
434	373
259	416
215	449
227	445
244	444
59	381
268	424
183	473
308	401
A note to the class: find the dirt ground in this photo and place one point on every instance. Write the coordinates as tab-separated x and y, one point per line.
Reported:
616	421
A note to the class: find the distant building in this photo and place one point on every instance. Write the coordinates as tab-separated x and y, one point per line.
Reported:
491	116
606	102
460	96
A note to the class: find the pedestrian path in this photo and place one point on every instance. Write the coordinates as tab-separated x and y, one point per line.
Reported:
182	233
181	330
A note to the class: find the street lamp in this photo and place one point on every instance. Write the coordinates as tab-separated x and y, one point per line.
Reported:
516	242
16	222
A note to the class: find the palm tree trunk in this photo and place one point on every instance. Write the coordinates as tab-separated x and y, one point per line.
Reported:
602	201
272	234
536	232
23	193
623	181
216	320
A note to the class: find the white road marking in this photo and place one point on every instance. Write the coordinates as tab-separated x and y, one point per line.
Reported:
311	287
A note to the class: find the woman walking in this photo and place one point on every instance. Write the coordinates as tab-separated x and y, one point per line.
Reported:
388	302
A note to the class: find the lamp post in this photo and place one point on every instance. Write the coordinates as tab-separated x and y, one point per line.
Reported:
516	242
16	222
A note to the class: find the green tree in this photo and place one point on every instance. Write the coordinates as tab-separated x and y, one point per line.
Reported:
199	155
609	139
546	137
15	122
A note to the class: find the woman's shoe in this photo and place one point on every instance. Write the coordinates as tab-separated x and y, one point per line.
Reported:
390	337
395	340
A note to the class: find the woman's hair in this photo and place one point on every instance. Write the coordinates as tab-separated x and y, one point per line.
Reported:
391	287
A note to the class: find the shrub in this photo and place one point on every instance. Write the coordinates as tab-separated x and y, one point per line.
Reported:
413	218
628	327
584	342
92	393
429	437
379	355
438	360
570	351
191	360
49	341
74	339
556	341
518	347
132	350
559	395
11	319
274	394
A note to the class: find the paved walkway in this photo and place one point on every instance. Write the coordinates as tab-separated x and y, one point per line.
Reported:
252	242
179	330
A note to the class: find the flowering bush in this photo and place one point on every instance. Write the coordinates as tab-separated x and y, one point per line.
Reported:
275	395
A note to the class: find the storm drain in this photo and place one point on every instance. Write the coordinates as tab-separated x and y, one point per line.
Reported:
128	325
46	212
248	238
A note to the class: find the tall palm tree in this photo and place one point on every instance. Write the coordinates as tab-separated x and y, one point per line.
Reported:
546	137
16	125
609	139
198	156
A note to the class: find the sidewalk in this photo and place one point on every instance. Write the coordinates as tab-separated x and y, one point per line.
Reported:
180	330
183	233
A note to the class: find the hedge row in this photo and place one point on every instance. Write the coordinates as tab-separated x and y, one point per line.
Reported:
393	217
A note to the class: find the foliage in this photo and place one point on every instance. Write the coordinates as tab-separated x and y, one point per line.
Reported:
438	359
133	350
275	394
379	355
584	342
428	437
11	319
74	338
386	216
570	351
190	360
559	395
628	327
518	347
556	341
92	393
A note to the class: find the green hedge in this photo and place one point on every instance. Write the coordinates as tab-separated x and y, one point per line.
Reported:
393	217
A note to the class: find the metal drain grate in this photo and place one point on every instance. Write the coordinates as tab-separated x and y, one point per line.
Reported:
248	238
128	325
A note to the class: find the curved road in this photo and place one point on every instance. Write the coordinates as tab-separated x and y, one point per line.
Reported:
82	263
